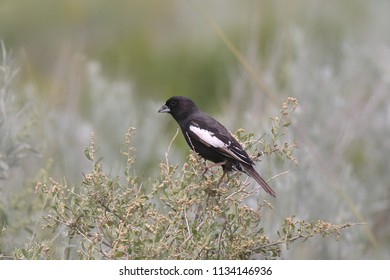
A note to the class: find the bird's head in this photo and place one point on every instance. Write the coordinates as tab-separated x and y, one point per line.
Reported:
179	107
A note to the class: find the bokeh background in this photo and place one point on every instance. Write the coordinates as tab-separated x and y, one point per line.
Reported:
72	68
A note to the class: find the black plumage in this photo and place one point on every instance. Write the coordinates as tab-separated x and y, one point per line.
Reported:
210	139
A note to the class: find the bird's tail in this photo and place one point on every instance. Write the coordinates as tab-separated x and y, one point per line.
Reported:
252	172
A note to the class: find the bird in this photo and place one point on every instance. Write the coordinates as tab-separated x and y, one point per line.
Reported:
211	140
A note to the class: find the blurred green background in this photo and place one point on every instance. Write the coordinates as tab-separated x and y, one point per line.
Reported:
103	66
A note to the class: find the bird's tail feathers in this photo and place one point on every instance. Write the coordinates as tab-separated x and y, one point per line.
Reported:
253	173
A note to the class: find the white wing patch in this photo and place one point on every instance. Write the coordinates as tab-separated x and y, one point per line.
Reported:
208	137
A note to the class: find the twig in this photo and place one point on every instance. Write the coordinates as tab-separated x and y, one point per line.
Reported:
169	148
219	241
187	225
299	236
259	187
277	175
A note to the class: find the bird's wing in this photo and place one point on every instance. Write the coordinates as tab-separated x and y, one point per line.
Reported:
215	136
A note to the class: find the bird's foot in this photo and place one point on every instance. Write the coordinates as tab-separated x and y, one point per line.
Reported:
206	168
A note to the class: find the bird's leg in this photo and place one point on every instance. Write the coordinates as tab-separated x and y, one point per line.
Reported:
206	168
220	179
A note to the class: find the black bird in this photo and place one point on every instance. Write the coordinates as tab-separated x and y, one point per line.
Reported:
210	139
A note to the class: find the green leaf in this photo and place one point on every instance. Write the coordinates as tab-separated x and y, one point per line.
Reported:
87	154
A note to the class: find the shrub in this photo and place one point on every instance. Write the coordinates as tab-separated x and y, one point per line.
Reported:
180	215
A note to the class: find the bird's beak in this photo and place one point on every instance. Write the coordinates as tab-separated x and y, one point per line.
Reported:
164	109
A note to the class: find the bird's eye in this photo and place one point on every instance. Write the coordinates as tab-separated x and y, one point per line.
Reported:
173	103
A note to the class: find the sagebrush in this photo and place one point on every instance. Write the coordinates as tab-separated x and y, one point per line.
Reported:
180	215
